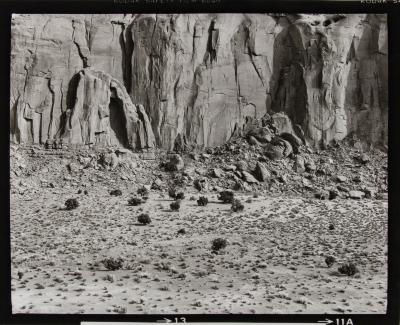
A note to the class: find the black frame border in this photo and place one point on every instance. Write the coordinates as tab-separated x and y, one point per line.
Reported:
392	9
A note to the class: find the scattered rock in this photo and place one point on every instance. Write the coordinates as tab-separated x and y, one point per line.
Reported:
357	195
217	172
299	166
157	184
322	195
249	178
260	135
201	184
242	166
341	179
310	165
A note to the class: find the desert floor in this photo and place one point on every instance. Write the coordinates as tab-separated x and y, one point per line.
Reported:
274	261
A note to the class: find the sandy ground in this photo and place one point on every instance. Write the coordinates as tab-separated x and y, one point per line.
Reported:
274	262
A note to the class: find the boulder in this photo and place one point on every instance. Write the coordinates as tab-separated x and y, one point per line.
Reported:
253	141
341	179
357	195
249	178
217	172
299	164
157	184
274	152
310	165
242	165
201	184
281	123
294	141
261	172
262	134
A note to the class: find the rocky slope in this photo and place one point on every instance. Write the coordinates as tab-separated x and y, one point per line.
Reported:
296	213
200	78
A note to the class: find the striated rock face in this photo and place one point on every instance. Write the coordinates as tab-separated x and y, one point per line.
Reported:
195	79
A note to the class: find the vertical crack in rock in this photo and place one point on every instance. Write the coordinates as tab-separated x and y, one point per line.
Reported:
80	40
127	46
50	129
212	43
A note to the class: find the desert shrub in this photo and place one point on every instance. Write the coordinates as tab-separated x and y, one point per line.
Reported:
176	205
202	201
329	260
143	191
333	194
71	204
348	269
180	196
181	231
331	226
237	206
226	196
172	193
116	192
135	201
144	218
112	264
218	243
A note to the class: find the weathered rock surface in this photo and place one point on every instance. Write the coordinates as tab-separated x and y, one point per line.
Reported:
104	115
201	78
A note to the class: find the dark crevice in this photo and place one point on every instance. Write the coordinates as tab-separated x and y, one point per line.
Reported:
118	121
212	43
127	45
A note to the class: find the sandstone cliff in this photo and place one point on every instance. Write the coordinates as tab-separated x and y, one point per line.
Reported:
144	80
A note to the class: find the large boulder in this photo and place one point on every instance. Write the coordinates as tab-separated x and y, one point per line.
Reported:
261	172
262	134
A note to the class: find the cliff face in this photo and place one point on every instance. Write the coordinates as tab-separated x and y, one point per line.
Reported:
200	78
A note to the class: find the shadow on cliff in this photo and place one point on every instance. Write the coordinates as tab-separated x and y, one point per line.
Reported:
365	105
70	102
287	88
118	121
14	130
127	46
